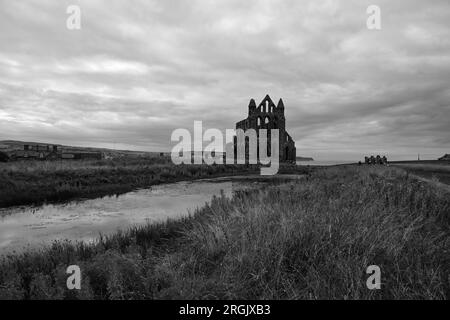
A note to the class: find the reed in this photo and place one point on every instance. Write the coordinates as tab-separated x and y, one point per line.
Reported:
308	239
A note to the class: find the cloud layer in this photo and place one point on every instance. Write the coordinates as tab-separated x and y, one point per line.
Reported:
138	70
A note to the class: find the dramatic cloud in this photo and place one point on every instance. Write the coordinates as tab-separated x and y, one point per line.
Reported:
139	69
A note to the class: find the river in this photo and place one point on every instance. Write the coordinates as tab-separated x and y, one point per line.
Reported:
28	227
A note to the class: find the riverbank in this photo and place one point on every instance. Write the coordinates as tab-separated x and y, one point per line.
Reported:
301	240
27	227
36	182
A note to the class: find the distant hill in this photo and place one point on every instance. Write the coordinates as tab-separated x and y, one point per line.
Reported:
304	159
12	145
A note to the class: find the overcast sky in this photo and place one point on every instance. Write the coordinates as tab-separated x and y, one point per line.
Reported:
139	69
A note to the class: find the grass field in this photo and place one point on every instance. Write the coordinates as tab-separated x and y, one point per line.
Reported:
437	171
301	240
34	182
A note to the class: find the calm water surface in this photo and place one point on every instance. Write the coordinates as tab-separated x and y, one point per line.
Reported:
30	227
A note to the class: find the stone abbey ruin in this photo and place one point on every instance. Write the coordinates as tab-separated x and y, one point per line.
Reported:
267	115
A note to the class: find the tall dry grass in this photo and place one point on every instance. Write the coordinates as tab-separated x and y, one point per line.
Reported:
438	171
309	239
34	182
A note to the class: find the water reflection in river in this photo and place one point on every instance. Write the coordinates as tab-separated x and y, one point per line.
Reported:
84	220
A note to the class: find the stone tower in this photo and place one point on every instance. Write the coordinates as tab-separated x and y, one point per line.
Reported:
267	115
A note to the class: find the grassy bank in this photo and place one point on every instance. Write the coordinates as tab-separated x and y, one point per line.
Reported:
34	182
303	240
438	171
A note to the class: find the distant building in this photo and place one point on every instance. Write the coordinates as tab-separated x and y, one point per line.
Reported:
36	151
267	115
376	160
445	157
51	152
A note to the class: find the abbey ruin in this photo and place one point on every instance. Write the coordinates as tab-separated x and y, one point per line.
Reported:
267	115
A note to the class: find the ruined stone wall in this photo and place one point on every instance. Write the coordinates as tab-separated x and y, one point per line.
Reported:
267	115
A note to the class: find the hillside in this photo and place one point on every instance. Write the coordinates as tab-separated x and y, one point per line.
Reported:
12	145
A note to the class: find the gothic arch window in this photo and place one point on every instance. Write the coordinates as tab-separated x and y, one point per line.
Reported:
266	120
259	121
